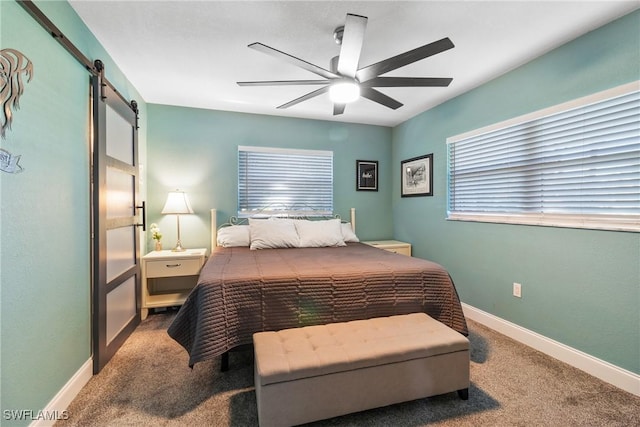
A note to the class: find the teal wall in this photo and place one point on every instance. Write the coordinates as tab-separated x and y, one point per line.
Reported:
44	218
579	287
196	151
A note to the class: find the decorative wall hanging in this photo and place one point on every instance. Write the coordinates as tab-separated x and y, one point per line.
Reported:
9	162
417	176
366	175
13	64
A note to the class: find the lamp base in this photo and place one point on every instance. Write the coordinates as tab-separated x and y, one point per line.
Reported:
178	247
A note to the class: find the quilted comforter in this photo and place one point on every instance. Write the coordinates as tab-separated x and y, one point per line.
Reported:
240	292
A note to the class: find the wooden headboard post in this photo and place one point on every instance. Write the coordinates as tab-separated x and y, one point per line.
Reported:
214	228
353	219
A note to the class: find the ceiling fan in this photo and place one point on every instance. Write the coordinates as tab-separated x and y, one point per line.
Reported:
345	82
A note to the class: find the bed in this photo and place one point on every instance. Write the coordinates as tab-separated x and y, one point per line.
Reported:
242	290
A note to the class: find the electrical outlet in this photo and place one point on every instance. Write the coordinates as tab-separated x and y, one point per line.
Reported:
517	290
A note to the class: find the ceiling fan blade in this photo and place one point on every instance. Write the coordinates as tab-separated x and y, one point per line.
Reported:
293	60
352	39
407	82
380	98
406	58
338	109
283	83
305	97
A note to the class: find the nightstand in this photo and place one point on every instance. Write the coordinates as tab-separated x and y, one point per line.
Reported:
168	277
395	246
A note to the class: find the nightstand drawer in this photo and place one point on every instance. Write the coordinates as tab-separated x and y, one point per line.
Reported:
171	268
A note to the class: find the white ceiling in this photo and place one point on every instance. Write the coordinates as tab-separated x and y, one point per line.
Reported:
191	53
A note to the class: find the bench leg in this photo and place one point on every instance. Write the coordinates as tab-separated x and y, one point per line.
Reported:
464	394
224	362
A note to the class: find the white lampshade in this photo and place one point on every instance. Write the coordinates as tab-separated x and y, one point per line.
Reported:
177	204
344	91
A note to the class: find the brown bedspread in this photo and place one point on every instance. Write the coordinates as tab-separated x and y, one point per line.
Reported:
241	292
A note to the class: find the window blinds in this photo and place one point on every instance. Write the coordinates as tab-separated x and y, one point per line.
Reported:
577	164
284	180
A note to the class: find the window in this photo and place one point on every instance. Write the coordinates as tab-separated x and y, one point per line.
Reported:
572	165
284	181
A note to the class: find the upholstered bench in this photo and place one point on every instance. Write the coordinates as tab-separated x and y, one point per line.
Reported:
318	372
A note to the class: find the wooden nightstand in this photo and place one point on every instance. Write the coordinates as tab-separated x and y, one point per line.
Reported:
395	246
168	277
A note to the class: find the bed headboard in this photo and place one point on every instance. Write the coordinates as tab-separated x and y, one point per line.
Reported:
214	225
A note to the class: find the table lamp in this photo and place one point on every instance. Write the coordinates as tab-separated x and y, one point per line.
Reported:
177	204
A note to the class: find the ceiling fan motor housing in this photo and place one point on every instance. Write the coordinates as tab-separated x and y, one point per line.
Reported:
333	64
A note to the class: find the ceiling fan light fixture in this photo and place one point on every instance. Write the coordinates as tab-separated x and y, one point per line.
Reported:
344	91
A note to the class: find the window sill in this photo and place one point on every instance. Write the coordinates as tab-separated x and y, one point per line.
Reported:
629	223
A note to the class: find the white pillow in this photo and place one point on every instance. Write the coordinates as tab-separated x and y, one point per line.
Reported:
348	234
235	235
267	234
317	234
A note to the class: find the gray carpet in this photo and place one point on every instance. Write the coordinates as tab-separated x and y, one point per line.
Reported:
148	382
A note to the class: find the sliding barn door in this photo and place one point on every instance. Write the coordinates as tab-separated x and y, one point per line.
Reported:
116	246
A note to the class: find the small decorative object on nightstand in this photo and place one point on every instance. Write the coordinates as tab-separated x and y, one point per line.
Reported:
168	277
156	235
395	246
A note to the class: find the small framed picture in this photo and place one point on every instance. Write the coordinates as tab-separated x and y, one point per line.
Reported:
366	175
417	176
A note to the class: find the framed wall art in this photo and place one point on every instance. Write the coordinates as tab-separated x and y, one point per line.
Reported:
417	176
366	175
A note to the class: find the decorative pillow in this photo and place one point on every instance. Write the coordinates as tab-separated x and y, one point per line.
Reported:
269	234
317	234
348	234
235	235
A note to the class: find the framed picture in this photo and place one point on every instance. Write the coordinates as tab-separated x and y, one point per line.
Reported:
366	175
417	176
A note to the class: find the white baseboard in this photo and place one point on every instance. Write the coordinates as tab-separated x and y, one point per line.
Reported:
605	371
58	405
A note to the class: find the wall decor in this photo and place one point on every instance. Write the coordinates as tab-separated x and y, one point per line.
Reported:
417	176
13	64
9	162
366	175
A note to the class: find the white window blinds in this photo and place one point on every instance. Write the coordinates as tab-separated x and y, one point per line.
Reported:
285	181
575	165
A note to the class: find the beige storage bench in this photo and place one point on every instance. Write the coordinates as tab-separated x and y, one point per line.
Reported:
318	372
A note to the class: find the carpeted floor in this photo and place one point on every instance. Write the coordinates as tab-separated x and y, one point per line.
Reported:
148	382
